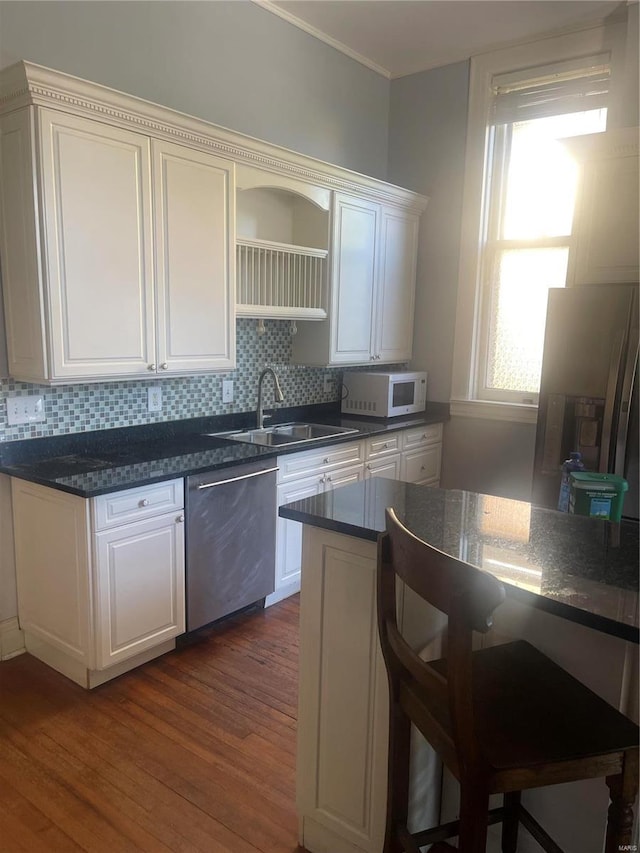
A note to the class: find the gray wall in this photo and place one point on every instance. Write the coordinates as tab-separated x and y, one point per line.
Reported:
427	136
231	63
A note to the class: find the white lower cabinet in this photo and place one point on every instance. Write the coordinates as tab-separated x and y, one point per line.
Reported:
139	586
412	455
303	475
101	587
422	455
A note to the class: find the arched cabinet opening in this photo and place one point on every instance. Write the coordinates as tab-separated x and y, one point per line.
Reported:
282	239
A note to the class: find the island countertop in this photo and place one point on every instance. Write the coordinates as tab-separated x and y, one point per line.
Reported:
567	565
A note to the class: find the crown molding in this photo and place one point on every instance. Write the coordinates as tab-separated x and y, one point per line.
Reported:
27	84
268	6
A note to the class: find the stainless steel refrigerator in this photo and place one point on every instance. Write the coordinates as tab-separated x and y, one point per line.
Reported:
589	388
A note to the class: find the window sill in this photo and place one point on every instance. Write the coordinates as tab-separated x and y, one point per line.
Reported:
516	412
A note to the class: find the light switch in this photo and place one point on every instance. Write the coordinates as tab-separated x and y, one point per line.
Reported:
227	390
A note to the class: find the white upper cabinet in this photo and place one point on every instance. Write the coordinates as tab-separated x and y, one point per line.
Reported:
97	259
194	215
118	240
353	279
397	284
373	275
606	227
133	275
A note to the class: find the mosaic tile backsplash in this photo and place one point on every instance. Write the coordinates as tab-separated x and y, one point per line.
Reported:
107	405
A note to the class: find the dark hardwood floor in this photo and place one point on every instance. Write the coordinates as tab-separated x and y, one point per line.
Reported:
194	751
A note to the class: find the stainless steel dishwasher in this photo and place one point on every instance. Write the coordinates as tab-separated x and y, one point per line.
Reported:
230	540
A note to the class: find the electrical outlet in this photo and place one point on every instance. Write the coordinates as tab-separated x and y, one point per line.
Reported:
25	410
154	399
327	385
227	390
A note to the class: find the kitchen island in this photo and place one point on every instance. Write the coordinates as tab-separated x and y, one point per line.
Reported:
570	591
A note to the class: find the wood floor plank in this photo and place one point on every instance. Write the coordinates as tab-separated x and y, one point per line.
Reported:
192	752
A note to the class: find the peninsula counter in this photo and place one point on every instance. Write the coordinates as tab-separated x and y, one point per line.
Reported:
570	591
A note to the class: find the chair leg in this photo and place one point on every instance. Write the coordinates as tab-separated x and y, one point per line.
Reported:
397	777
511	822
623	789
474	810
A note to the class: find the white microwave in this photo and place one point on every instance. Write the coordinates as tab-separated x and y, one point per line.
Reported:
381	394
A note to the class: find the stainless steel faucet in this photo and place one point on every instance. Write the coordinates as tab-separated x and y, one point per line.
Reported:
277	392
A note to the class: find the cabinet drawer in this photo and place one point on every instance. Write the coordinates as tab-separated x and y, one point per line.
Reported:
420	436
387	466
136	504
317	461
420	465
383	445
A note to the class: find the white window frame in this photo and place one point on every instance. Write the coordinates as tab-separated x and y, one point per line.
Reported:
467	344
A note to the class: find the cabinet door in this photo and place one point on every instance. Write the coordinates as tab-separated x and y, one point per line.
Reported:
195	256
96	186
396	286
606	244
289	536
353	274
386	467
139	584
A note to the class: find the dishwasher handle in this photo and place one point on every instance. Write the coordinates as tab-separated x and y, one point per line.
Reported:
236	479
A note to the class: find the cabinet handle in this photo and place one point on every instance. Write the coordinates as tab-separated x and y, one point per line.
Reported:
164	366
143	502
151	367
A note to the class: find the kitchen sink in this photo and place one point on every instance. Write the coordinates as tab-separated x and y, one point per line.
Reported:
281	435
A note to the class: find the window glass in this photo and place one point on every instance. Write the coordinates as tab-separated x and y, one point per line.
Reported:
517	315
530	207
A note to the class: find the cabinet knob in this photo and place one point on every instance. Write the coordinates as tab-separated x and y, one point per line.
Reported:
164	366
143	502
151	367
369	466
328	478
180	519
422	467
385	445
424	435
325	461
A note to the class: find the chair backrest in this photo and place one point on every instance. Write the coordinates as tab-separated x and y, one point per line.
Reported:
468	597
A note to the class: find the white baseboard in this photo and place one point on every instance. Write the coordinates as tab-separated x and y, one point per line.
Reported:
283	592
11	639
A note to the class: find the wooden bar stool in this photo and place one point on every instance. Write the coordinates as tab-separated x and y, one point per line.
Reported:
502	719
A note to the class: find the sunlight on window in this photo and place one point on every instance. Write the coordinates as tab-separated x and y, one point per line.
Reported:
542	175
518	315
538	199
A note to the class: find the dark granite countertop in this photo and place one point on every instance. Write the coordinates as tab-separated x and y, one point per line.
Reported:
103	461
564	564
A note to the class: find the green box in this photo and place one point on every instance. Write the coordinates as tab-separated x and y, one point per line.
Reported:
597	495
